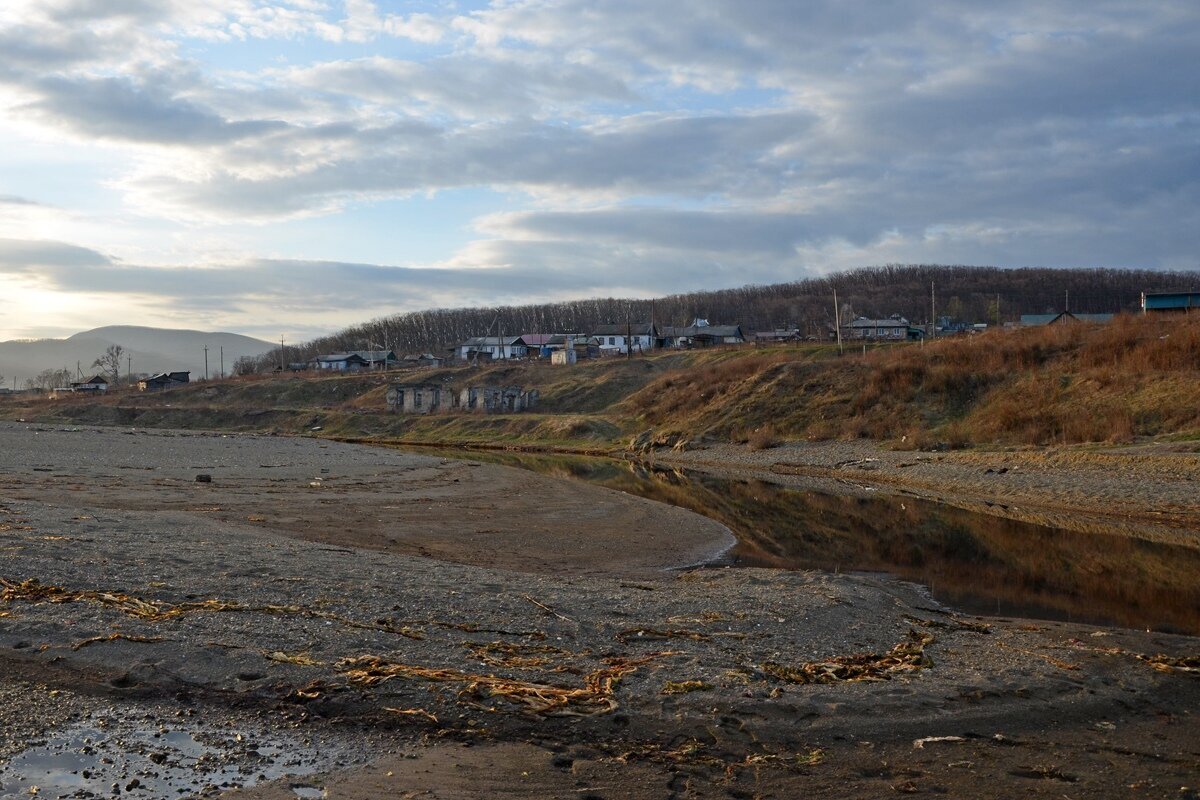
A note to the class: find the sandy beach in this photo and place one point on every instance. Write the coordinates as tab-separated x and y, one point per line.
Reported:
325	620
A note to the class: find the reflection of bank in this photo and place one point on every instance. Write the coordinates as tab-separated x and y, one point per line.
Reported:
974	561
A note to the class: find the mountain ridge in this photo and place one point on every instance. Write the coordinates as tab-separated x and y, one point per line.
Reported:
147	350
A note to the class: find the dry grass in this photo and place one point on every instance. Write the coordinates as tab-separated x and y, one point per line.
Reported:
1067	383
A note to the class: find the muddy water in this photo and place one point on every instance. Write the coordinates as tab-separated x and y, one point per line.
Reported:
972	561
108	757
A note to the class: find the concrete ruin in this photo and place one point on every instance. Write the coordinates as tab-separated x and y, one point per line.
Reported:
419	398
428	398
497	400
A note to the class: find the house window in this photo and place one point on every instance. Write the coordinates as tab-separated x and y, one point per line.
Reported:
612	340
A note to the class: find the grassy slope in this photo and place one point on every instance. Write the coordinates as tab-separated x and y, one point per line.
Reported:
1072	383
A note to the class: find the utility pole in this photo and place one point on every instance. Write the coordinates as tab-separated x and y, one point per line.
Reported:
222	361
997	309
628	340
1067	301
932	311
128	366
205	362
837	321
281	367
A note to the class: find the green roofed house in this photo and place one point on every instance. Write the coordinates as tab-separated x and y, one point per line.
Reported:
1179	302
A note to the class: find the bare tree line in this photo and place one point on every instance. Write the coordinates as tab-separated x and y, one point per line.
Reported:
968	293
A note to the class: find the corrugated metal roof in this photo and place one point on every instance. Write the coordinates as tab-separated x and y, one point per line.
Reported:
891	322
1169	300
635	329
491	341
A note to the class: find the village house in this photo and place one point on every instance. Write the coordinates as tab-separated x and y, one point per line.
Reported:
700	334
163	381
537	344
894	328
417	360
778	335
355	360
583	346
339	362
1179	302
638	337
94	384
492	347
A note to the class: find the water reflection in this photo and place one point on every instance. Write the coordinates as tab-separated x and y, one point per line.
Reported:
975	562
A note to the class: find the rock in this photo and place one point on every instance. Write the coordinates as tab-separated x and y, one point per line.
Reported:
204	477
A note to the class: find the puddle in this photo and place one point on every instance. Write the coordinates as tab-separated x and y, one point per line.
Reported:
975	562
308	792
108	758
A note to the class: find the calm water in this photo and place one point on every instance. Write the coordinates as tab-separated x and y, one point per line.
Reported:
975	562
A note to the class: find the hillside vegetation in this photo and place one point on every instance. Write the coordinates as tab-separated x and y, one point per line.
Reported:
1138	376
975	294
1068	383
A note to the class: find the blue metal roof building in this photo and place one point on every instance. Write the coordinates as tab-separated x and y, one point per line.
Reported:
1171	301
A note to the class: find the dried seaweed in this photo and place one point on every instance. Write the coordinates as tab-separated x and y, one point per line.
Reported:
907	656
654	633
706	617
515	656
299	659
683	687
413	712
1188	665
694	753
594	697
112	637
1058	662
31	591
546	608
954	623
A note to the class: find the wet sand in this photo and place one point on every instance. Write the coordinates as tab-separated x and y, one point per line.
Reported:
532	656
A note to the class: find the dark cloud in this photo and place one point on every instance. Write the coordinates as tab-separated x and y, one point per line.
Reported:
29	256
17	200
122	108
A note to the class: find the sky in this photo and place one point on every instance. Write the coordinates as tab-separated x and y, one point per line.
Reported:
288	167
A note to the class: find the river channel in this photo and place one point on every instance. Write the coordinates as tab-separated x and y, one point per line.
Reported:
975	562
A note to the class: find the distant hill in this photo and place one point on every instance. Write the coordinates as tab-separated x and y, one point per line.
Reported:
149	350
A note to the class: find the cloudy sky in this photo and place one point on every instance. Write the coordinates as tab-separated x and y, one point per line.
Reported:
289	166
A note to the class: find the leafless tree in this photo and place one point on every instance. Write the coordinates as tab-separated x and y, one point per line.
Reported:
110	362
